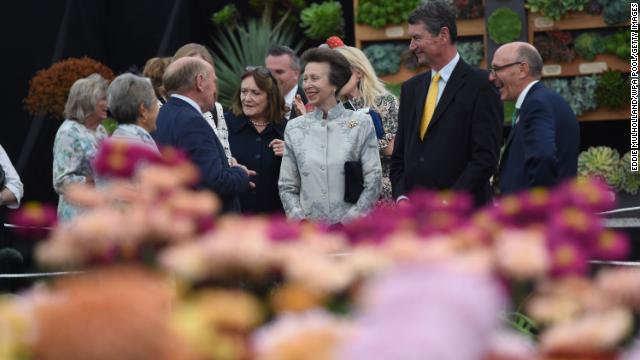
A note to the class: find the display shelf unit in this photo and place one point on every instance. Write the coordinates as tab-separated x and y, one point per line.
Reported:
579	66
604	114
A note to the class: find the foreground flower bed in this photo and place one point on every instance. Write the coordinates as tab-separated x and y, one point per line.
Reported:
163	278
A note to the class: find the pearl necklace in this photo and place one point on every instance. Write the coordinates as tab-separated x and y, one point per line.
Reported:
258	123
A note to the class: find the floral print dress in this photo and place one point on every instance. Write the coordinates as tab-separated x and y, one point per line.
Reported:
74	148
387	106
134	133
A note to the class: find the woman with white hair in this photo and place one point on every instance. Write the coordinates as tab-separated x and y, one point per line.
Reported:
366	92
132	103
77	139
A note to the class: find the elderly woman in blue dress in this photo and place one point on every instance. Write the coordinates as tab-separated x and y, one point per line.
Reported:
133	105
319	143
77	139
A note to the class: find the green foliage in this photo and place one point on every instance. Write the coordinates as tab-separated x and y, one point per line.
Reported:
278	9
380	13
619	44
579	92
394	89
227	17
522	324
385	58
631	180
504	26
588	45
615	11
471	51
601	162
509	109
110	125
555	9
321	21
246	46
613	90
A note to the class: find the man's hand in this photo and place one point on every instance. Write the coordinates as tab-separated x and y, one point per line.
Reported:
249	173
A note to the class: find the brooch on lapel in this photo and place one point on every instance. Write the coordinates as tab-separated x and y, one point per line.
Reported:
352	123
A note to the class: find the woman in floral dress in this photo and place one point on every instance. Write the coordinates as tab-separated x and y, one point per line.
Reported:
77	139
365	92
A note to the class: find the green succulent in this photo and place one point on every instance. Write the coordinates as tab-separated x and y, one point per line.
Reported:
615	11
619	44
244	46
588	45
380	13
579	92
227	17
321	21
471	51
385	57
555	9
504	26
602	162
631	181
613	90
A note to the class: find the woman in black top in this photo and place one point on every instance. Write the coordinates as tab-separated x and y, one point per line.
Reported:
256	130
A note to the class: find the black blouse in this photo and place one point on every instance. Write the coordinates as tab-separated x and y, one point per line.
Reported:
252	150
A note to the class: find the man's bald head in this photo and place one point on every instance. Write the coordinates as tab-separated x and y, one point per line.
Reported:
180	75
525	52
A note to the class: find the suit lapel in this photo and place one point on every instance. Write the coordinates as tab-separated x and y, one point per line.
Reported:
453	84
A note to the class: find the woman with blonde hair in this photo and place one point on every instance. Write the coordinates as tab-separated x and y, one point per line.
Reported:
366	92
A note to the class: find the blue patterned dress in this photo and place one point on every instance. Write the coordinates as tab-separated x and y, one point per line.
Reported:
74	148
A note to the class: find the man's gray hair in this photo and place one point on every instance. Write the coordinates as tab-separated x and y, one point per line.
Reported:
279	50
126	93
532	57
84	96
182	78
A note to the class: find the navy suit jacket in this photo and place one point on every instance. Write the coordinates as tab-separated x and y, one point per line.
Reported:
461	148
182	126
542	148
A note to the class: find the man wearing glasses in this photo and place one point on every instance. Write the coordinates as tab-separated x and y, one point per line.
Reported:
542	147
450	119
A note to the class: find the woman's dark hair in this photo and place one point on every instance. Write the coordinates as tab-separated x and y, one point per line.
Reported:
339	66
267	83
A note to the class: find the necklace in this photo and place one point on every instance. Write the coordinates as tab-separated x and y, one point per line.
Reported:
259	123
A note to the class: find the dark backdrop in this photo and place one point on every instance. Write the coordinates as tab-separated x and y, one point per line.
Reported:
121	34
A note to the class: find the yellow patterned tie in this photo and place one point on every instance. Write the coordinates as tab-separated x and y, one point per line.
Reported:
429	105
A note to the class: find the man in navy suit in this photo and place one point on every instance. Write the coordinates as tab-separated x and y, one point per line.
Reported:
542	147
192	82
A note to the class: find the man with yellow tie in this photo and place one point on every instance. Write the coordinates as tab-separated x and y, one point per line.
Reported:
450	118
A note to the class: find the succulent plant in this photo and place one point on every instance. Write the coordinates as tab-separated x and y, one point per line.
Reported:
619	44
380	13
471	51
555	46
602	162
555	9
615	11
631	181
504	25
579	92
227	17
588	45
469	9
613	90
321	21
385	57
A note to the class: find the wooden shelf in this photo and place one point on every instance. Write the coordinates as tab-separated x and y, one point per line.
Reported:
474	27
573	21
604	114
580	66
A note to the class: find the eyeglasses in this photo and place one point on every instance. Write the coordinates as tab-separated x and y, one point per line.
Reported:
493	69
261	70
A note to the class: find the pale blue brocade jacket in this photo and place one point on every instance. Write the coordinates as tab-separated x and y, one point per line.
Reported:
311	180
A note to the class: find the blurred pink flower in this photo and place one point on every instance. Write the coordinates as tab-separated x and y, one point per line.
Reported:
567	257
33	219
610	245
118	158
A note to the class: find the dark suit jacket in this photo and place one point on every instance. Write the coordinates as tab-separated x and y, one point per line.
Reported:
182	126
461	148
542	148
294	111
252	150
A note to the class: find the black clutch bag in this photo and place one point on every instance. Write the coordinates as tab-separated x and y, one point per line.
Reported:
353	181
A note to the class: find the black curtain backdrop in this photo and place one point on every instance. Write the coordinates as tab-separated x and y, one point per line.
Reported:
122	35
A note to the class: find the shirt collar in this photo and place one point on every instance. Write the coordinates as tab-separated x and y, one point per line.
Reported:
189	101
334	113
524	93
288	99
447	70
